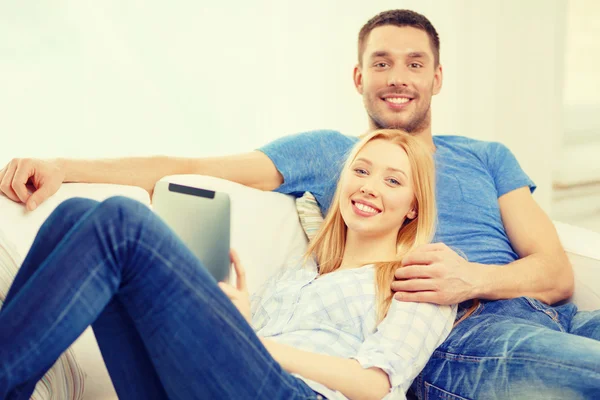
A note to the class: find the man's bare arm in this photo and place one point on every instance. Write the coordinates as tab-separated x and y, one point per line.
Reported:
253	169
543	270
435	273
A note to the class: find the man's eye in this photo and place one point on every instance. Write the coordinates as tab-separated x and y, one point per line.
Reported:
381	65
415	65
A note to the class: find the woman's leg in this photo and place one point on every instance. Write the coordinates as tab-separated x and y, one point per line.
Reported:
128	363
141	380
200	345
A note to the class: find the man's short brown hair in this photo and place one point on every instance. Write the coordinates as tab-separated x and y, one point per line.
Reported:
400	18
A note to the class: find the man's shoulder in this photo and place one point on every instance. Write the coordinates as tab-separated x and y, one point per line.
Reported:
457	143
329	135
308	143
457	140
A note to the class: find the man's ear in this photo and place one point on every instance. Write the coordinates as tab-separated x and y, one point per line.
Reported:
438	79
358	82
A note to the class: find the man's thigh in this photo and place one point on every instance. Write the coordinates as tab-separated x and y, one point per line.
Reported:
587	324
512	349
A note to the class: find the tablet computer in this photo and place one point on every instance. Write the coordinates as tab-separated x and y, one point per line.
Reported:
201	219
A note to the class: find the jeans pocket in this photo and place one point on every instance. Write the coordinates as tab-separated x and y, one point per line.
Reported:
541	306
433	392
548	310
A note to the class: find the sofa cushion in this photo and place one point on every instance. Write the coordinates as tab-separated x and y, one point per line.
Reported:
65	379
309	214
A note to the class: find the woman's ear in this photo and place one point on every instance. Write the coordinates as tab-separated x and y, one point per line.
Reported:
412	214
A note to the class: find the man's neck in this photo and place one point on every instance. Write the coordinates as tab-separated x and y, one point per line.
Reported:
424	136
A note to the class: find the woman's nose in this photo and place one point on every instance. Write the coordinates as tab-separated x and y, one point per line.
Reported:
367	190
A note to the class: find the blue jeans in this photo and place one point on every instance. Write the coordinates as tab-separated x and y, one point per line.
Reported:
517	349
164	327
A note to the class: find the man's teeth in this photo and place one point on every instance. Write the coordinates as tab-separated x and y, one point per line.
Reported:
366	208
397	100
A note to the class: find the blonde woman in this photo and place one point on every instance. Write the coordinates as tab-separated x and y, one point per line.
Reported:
325	328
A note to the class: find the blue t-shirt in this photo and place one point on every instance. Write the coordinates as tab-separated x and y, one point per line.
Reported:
470	176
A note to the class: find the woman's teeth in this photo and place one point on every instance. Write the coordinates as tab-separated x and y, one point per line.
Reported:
366	208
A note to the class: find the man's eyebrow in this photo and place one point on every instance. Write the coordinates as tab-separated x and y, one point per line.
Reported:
412	54
379	53
417	54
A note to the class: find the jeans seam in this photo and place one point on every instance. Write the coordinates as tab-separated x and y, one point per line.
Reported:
550	312
457	397
473	359
477	311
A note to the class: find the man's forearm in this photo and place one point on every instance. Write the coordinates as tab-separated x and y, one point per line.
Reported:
251	169
344	375
136	171
546	278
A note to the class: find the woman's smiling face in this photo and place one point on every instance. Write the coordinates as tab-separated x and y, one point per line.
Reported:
376	192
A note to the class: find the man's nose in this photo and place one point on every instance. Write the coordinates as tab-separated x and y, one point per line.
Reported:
398	76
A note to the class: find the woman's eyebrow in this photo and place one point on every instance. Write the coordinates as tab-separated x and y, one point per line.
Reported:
397	170
388	168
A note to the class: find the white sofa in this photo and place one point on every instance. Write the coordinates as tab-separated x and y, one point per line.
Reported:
265	232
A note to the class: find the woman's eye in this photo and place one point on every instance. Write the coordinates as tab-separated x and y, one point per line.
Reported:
360	171
394	182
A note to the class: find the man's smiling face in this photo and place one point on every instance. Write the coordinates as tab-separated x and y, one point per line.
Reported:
397	77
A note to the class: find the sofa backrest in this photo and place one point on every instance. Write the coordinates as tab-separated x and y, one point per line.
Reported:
266	230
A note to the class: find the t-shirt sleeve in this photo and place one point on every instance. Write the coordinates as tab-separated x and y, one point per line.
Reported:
405	340
506	171
308	161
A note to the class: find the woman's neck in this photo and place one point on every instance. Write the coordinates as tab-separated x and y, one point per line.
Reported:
361	250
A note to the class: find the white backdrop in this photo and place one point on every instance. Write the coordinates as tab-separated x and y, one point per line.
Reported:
81	78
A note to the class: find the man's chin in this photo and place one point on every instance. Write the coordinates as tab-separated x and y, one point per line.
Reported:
391	123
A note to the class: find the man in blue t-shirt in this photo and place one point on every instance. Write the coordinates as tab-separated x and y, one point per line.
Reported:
493	242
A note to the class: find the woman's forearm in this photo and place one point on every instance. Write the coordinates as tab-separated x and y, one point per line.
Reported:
344	375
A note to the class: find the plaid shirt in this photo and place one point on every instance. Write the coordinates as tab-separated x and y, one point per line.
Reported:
336	315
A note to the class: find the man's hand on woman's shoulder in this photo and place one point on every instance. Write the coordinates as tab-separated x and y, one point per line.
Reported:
30	181
434	273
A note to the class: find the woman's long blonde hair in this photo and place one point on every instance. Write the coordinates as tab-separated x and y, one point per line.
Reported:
329	243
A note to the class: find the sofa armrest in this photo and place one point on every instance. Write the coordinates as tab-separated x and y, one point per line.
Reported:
583	249
21	225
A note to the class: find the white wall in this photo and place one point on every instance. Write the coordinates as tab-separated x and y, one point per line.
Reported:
582	54
576	196
195	78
